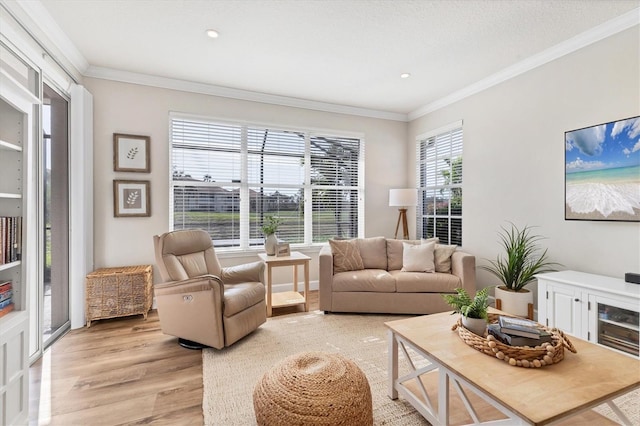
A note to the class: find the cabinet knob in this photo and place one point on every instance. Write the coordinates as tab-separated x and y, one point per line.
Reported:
576	300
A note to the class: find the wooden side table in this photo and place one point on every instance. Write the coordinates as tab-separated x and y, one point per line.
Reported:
287	298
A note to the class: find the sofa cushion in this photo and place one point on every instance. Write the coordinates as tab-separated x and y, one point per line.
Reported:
418	282
373	252
346	256
442	257
374	280
394	252
418	257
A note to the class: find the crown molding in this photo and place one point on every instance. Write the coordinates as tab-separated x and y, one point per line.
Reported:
593	35
40	24
227	92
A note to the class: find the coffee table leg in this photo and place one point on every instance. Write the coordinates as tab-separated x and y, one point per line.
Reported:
443	396
393	365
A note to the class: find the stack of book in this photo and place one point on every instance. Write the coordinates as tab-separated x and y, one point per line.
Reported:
518	332
6	298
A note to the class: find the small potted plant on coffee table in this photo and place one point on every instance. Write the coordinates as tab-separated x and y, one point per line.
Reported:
473	311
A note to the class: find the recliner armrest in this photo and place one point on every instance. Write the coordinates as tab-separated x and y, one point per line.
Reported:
201	283
248	272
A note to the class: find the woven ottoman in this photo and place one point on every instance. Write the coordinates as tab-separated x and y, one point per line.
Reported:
313	388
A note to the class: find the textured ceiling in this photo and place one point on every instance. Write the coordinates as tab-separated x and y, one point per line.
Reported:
342	52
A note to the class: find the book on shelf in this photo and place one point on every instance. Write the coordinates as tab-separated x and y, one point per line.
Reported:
5	303
10	239
4	295
4	311
5	285
519	327
511	340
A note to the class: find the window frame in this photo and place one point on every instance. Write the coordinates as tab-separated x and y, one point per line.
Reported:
421	208
244	185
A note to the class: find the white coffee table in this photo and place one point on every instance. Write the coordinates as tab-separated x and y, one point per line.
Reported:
513	395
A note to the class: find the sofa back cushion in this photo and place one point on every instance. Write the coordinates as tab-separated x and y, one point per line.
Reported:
395	251
373	252
346	256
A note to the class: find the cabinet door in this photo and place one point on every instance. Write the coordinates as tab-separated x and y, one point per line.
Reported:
14	370
615	324
564	309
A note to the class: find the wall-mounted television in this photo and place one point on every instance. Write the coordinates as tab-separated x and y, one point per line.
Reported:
602	172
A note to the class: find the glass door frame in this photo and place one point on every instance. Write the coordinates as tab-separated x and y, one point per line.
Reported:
66	326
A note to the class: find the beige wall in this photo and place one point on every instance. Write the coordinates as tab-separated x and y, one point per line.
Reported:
514	154
143	110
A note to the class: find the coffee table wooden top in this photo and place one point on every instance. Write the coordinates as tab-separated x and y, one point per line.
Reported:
541	395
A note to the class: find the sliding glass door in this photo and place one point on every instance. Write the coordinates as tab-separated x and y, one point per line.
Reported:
55	215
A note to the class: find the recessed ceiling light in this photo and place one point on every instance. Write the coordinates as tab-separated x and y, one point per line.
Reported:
405	75
212	33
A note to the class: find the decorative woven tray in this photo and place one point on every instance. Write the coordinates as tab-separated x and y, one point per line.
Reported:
520	356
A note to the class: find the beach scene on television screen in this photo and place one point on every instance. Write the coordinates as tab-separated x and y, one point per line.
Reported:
602	171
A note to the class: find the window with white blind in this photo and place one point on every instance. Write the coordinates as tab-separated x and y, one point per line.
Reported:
439	171
228	177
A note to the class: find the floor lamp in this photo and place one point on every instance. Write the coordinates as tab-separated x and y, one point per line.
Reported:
402	198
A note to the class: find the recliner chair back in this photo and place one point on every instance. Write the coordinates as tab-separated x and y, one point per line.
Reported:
184	255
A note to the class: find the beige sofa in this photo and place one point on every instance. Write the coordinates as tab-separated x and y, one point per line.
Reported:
382	287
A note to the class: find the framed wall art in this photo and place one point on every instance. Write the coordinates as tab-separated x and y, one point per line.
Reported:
131	153
602	172
131	198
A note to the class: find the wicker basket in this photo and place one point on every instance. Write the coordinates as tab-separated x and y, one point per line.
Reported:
520	356
118	292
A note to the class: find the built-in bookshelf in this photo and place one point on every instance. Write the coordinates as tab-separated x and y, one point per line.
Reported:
17	106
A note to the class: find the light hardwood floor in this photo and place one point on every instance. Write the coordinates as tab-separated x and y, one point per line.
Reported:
120	371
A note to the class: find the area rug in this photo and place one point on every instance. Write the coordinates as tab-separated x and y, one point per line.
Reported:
229	375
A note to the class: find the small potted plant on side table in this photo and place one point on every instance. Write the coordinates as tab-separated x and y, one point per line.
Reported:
473	311
269	228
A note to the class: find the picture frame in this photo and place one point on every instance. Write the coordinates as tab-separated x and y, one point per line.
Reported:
131	153
602	172
131	198
283	250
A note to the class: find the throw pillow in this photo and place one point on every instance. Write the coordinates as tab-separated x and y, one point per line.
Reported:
394	253
346	256
442	256
418	258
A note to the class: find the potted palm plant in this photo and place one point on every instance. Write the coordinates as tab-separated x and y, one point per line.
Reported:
269	229
473	311
522	261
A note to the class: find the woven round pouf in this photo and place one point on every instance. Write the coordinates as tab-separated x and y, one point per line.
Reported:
313	388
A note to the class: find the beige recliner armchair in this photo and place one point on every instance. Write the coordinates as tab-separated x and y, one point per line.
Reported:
200	302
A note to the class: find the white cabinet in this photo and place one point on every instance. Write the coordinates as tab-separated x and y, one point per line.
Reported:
596	308
16	179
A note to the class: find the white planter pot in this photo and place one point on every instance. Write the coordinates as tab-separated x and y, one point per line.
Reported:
514	303
270	244
475	325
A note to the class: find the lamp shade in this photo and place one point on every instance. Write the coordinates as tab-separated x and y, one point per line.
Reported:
402	197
